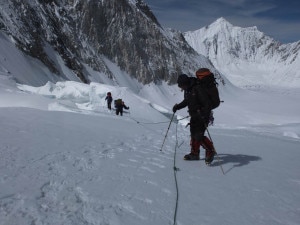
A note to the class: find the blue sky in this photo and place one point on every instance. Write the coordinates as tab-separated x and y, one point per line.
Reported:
279	19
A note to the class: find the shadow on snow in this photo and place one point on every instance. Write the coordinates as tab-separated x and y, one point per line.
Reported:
237	160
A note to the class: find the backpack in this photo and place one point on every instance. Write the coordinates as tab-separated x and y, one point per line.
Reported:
118	102
207	81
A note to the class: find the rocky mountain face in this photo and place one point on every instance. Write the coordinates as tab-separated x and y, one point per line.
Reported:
86	34
246	55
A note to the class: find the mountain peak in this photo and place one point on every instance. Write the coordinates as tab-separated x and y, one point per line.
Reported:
221	22
229	46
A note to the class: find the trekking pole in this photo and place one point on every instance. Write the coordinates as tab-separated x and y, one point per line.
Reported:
167	132
215	152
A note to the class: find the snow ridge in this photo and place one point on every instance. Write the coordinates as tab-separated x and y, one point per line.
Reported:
247	56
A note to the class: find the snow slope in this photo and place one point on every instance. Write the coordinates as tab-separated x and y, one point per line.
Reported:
66	159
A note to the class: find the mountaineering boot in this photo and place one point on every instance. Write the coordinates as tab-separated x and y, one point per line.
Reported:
209	156
209	150
191	156
195	150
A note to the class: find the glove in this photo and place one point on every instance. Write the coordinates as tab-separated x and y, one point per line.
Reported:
175	108
211	119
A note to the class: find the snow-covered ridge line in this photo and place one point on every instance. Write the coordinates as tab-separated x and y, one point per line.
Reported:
247	56
74	40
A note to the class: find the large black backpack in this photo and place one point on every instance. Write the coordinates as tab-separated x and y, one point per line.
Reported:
118	102
207	80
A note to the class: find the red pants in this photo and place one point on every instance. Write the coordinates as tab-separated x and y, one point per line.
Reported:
205	143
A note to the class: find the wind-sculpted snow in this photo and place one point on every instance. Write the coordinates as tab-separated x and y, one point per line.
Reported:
90	99
78	175
93	167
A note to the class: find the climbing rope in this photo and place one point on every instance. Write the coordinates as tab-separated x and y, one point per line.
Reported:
175	168
177	120
175	177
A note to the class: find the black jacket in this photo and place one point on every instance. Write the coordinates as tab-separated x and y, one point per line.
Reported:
121	106
196	99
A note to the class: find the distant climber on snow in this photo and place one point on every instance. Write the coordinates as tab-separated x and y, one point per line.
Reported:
120	105
109	100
